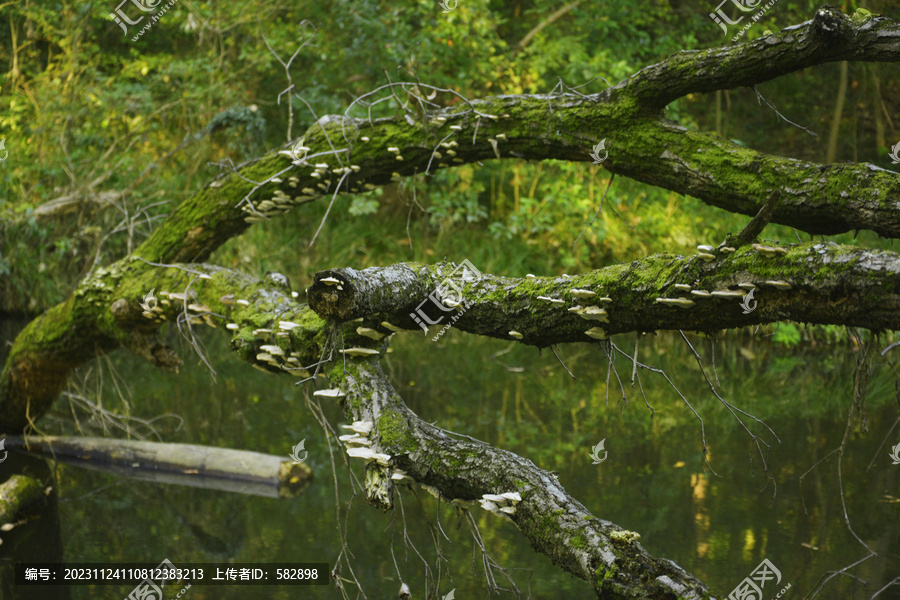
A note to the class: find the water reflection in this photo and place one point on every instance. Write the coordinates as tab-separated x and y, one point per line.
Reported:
718	519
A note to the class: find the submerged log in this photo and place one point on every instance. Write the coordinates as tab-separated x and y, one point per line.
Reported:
207	467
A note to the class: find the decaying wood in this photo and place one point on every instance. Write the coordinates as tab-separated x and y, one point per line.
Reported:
829	284
206	467
16	494
460	472
822	283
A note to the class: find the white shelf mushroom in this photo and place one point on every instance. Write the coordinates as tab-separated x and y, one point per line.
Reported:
682	287
330	393
354	439
707	257
369	333
516	335
705	248
399	477
366	454
513	497
701	293
781	285
330	281
359	352
598	333
274	350
593	313
769	251
496	499
581	293
682	302
360	427
727	294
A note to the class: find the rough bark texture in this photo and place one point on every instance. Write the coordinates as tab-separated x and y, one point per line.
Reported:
603	554
206	467
17	493
827	283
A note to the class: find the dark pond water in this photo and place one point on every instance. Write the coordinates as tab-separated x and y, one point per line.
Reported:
717	520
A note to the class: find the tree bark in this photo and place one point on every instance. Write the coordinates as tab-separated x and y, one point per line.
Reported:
822	283
206	467
16	494
460	472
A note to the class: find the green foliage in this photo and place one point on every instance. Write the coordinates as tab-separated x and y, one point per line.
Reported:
787	335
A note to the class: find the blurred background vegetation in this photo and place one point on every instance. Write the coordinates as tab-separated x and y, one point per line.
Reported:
114	134
90	115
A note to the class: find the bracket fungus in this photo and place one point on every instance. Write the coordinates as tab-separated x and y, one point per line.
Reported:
682	302
581	293
769	251
356	351
591	313
369	333
360	427
727	294
598	333
330	393
354	439
781	285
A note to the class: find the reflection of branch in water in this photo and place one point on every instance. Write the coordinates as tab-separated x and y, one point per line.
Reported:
212	544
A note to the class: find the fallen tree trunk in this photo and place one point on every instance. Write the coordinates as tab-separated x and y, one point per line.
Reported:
206	467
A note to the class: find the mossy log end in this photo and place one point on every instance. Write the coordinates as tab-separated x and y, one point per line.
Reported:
16	494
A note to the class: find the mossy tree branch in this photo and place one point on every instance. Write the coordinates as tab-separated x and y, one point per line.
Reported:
460	472
814	283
